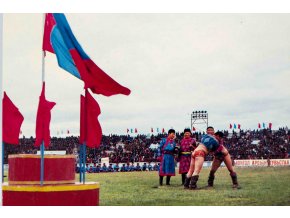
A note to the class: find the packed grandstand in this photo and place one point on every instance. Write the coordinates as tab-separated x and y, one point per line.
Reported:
125	151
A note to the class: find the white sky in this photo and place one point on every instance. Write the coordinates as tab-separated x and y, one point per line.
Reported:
235	66
245	56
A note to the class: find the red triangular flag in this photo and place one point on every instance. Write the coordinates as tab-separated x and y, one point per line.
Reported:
193	128
136	130
270	125
259	125
163	130
91	131
11	123
239	126
231	126
43	119
151	129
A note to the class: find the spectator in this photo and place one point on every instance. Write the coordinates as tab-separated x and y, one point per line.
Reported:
116	167
155	167
128	168
123	168
110	168
150	167
144	167
98	168
138	167
104	168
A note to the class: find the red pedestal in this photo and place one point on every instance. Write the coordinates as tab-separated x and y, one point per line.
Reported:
51	195
24	169
59	189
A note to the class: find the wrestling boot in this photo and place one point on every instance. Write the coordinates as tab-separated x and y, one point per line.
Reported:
210	180
168	180
183	176
186	182
193	181
234	180
160	180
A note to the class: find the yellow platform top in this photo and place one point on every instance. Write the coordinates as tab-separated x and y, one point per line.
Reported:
51	188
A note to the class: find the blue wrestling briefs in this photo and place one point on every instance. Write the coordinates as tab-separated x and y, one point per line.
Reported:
210	142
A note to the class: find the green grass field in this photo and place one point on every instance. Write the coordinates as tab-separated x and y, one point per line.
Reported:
259	186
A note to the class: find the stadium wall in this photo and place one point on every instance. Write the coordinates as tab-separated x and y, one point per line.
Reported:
238	163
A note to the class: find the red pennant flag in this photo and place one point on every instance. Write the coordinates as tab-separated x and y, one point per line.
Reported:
11	123
136	131
231	126
239	126
259	125
91	131
193	128
163	130
270	125
67	131
59	39
151	129
43	119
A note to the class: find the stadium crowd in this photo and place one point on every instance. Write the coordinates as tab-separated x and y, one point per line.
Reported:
242	144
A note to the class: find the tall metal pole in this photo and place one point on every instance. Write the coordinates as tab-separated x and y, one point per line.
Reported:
42	163
1	79
80	162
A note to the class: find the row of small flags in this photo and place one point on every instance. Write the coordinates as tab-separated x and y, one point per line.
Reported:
259	126
264	125
58	132
62	132
235	126
152	130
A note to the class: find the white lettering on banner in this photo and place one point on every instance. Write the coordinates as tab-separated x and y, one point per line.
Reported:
259	163
280	162
262	163
243	163
206	164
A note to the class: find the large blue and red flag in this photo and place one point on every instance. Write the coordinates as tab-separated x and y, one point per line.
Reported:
58	38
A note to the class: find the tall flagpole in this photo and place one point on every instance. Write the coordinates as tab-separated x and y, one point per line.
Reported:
86	137
42	144
1	79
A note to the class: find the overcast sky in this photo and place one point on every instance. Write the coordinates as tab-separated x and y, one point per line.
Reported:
235	66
